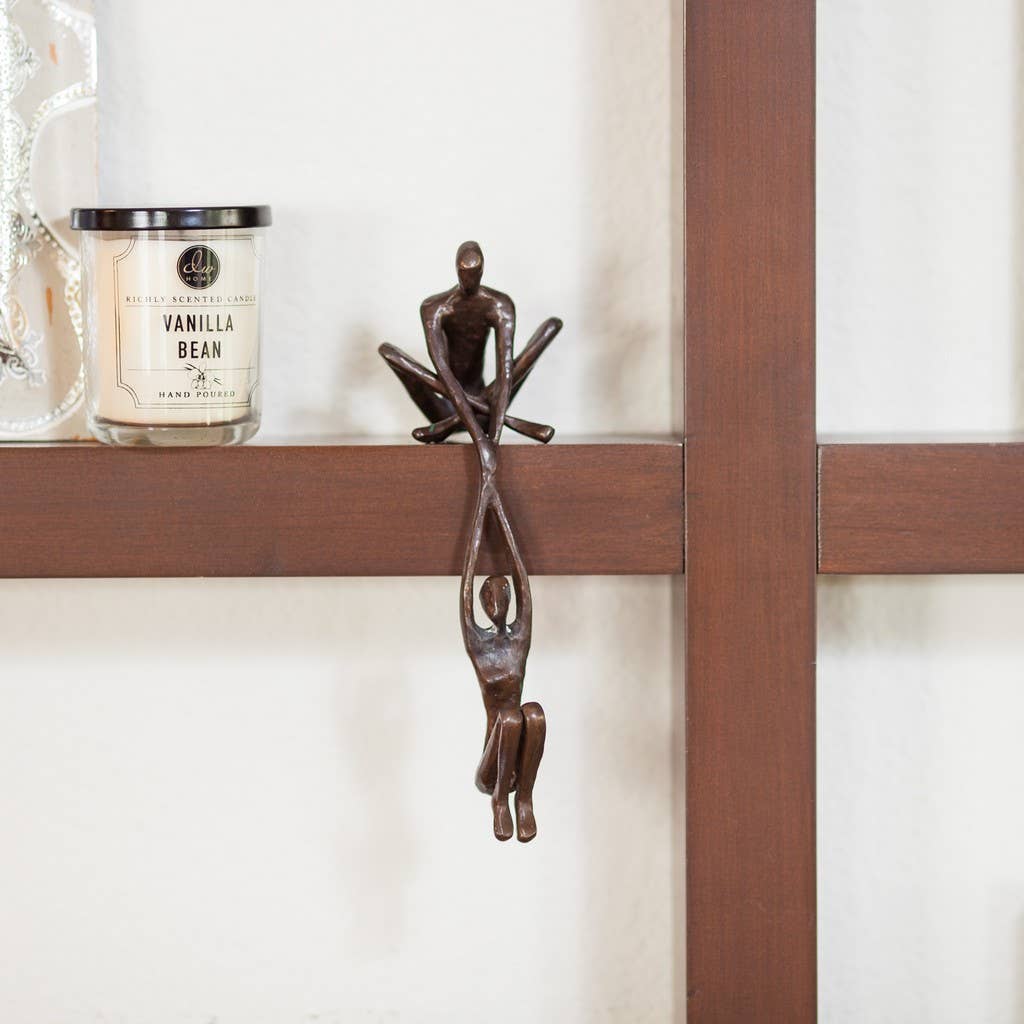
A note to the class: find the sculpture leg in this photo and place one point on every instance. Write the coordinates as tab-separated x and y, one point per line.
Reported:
531	750
525	361
442	428
412	374
439	430
508	729
487	770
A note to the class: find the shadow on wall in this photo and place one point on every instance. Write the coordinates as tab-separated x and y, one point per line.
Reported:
628	238
374	728
1018	1010
1017	380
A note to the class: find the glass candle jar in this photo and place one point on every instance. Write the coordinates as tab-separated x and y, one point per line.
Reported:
172	306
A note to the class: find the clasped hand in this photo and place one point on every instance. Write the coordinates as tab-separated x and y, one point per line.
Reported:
488	452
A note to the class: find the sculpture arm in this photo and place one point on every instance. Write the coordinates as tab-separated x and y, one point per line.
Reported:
470	630
520	578
437	346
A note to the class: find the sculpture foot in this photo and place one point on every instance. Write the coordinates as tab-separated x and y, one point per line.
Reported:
526	824
432	435
502	820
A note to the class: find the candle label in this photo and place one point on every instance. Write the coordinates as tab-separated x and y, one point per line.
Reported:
186	322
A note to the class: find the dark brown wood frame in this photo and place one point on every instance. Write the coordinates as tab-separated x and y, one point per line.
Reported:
750	511
766	508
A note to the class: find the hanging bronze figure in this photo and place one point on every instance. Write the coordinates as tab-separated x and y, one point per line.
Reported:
457	325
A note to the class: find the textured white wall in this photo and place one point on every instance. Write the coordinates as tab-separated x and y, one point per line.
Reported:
248	802
921	706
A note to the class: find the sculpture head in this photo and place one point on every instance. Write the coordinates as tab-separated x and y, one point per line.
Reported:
469	265
495	596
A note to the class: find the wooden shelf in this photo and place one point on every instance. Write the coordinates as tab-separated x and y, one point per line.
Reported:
921	508
82	510
369	509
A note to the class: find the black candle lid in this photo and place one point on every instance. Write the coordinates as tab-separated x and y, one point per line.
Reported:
157	218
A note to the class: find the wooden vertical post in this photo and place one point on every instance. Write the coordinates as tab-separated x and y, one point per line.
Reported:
750	511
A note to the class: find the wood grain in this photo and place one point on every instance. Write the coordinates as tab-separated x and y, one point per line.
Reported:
348	510
750	508
921	508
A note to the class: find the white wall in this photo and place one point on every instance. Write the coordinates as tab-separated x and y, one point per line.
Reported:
247	802
921	705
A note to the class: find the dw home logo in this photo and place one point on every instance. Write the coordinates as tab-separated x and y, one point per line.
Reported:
198	266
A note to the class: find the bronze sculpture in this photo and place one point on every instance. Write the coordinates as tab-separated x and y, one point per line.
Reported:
515	733
457	325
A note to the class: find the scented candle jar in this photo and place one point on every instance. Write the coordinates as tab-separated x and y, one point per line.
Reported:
172	307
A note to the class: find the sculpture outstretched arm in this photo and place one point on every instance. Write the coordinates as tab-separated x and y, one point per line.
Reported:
470	630
520	578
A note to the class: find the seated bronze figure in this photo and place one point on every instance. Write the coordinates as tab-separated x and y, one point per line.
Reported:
457	324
